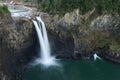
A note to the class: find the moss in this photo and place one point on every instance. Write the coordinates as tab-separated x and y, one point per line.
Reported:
97	40
4	9
101	39
115	47
115	44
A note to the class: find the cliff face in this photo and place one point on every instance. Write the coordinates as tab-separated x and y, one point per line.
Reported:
73	36
17	37
84	34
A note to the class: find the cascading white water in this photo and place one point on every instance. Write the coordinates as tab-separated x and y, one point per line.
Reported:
46	58
96	57
45	37
41	41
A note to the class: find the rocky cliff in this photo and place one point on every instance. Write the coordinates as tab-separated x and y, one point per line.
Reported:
72	36
82	35
17	38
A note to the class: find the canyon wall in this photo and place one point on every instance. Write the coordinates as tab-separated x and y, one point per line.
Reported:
17	39
72	36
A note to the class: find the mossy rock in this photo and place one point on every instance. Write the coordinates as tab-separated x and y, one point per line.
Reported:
4	9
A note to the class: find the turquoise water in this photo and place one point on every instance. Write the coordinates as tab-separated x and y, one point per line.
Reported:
75	70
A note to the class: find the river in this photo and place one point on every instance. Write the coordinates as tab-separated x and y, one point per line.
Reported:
75	70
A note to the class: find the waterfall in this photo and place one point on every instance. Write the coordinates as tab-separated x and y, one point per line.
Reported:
44	35
96	57
45	54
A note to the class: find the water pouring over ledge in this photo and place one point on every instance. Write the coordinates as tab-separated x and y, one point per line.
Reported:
46	59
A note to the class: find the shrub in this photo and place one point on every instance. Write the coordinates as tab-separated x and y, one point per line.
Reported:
63	6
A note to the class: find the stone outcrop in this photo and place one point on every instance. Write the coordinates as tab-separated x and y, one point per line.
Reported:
72	36
81	34
17	39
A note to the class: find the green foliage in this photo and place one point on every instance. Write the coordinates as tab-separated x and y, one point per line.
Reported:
4	9
63	6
